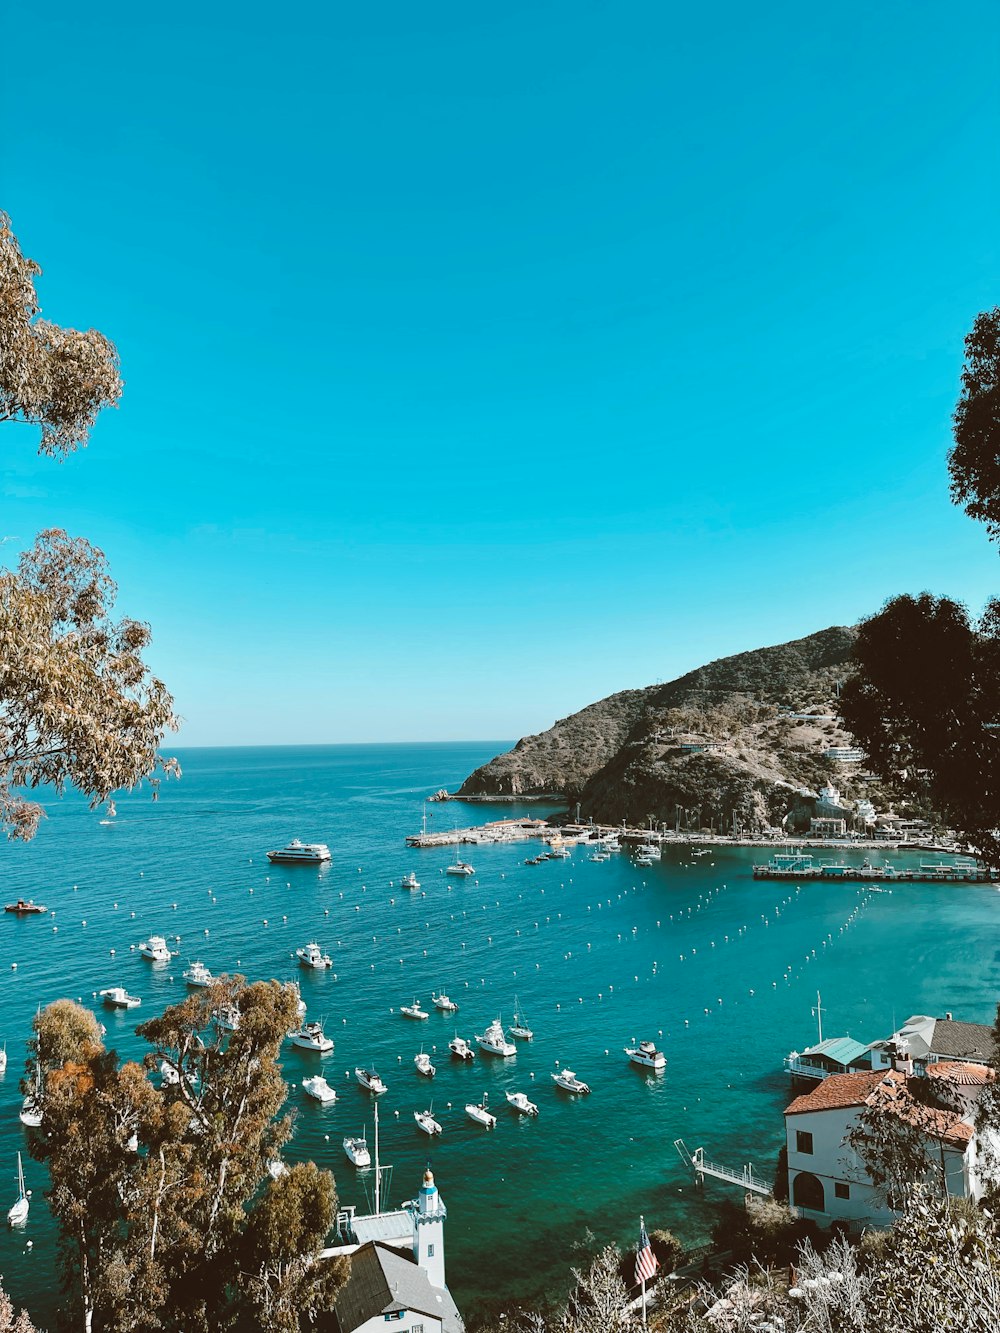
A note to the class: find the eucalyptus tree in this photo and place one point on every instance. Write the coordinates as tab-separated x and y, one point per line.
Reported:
160	1178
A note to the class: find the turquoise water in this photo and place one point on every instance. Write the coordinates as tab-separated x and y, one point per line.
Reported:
592	950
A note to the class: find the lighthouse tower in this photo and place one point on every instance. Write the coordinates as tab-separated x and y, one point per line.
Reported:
429	1213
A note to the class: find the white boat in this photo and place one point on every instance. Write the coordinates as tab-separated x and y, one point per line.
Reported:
276	1168
299	853
169	1076
318	1087
648	849
559	852
357	1151
31	1113
311	955
568	1080
521	1104
481	1112
599	856
155	949
311	1037
423	1065
3	1058
117	997
199	975
370	1080
443	1003
227	1018
425	1120
647	1055
461	1048
643	861
17	1215
460	868
413	1010
410	881
493	1041
300	1004
519	1028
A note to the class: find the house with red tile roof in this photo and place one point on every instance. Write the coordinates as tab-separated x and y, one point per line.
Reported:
828	1180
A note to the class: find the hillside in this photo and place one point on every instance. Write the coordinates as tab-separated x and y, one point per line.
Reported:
717	743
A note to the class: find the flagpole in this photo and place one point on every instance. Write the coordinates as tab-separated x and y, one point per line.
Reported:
642	1231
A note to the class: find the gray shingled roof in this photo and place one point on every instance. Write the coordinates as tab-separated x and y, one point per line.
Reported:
962	1041
382	1280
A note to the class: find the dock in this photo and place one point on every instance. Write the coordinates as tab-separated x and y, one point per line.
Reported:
928	872
744	1177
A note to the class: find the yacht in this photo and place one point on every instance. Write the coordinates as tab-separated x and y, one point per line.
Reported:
568	1080
370	1080
318	1087
647	1055
599	855
117	997
521	1104
493	1041
425	1120
410	881
443	1003
423	1065
17	1215
481	1112
299	853
459	868
22	908
413	1010
357	1151
559	852
311	955
311	1037
519	1028
461	1048
648	849
227	1018
199	975
155	948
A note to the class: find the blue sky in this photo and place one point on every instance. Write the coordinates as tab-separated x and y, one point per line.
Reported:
484	360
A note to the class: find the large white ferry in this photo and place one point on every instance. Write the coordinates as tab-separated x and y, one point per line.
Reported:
300	853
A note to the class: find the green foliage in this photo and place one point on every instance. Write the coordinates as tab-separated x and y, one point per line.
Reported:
667	1249
974	461
167	1188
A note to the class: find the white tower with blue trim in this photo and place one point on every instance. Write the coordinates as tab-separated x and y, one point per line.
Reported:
428	1213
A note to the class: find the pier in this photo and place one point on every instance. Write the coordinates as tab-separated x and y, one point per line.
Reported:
744	1177
929	872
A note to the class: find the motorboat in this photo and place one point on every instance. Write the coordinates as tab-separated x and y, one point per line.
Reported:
494	1042
443	1003
30	1114
480	1111
460	868
644	860
413	1010
568	1080
425	1121
169	1077
299	853
318	1087
227	1018
357	1151
22	908
423	1065
155	949
311	1037
600	855
311	955
276	1168
650	850
199	975
647	1055
17	1215
460	1047
559	853
300	1004
117	997
519	1028
3	1058
521	1104
371	1081
410	881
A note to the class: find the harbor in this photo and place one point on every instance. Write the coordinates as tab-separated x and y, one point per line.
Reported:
797	867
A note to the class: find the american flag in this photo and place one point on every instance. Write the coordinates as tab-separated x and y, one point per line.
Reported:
646	1262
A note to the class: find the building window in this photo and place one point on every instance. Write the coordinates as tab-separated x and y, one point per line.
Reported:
803	1142
841	1190
430	1251
394	1314
416	1328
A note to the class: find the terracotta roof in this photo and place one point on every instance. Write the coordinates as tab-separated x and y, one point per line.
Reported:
961	1073
887	1091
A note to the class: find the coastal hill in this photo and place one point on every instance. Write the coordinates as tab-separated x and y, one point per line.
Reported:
741	738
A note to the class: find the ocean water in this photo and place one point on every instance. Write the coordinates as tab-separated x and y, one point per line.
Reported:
722	972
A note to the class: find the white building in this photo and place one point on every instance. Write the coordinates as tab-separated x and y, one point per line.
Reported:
828	1181
397	1269
926	1041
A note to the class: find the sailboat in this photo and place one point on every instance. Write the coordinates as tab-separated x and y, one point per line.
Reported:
519	1027
18	1214
31	1108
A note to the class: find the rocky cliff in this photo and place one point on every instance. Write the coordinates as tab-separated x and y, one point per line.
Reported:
728	740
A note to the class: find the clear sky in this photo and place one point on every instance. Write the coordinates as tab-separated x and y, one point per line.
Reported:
482	360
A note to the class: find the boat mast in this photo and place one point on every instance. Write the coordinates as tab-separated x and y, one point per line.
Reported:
378	1169
818	1011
